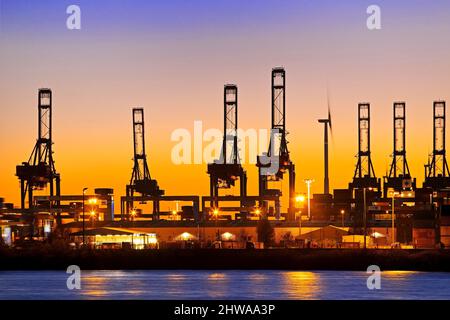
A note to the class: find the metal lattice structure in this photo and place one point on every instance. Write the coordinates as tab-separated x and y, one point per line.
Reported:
40	169
399	177
278	126
437	172
230	120
141	181
273	164
364	175
224	172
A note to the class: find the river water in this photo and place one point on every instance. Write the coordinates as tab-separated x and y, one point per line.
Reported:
229	284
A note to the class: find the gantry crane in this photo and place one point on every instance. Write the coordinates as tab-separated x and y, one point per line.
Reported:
141	181
273	165
39	171
224	172
364	175
437	173
399	177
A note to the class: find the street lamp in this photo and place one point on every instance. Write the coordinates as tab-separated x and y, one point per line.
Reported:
365	215
342	215
300	223
393	215
216	214
92	217
84	230
175	214
300	199
257	212
133	214
93	203
308	183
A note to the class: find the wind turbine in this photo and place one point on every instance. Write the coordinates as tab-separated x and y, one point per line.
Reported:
326	123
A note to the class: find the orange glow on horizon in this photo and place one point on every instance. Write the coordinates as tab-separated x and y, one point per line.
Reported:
177	75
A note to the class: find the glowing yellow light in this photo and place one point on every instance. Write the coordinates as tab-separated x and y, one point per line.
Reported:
300	198
186	236
133	212
174	212
227	236
152	240
92	213
93	201
216	212
257	211
342	211
216	276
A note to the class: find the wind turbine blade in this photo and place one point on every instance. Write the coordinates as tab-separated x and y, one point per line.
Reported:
329	120
329	123
329	112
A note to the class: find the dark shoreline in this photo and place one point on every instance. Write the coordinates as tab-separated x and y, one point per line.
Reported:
274	259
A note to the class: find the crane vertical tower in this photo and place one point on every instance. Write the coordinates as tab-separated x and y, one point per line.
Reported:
364	176
399	177
224	172
40	169
141	181
437	173
273	164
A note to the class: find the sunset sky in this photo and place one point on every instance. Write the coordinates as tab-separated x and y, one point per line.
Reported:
173	58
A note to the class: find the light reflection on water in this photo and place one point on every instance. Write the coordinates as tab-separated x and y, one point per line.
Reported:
301	284
221	284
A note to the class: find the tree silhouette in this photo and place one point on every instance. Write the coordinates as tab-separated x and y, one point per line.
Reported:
265	232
